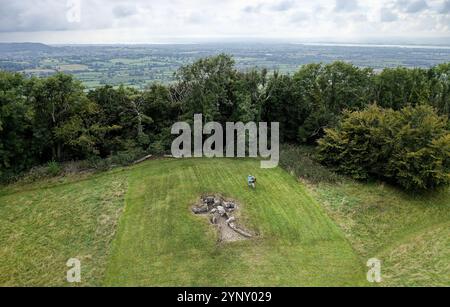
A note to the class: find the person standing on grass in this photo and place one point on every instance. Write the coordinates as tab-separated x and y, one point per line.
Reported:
251	181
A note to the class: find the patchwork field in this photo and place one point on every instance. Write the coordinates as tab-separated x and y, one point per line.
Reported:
134	227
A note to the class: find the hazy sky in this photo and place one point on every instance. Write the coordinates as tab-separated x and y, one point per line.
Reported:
139	21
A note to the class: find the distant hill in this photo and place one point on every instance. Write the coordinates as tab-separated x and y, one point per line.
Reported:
16	47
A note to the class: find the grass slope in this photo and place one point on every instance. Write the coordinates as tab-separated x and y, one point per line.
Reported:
409	233
45	224
161	243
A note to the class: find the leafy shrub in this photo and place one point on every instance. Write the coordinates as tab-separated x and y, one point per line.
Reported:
301	161
74	167
98	163
34	174
410	147
125	158
53	168
157	148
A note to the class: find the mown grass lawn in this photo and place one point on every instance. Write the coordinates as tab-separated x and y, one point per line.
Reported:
161	243
133	227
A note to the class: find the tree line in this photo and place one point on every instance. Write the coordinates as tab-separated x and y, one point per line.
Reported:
56	119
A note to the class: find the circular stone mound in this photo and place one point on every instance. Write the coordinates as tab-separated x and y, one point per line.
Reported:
220	212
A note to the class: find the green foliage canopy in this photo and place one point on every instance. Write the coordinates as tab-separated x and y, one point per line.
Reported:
410	147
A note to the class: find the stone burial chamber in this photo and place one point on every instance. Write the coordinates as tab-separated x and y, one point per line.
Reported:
221	213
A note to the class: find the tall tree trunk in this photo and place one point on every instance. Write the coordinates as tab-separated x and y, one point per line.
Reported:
59	151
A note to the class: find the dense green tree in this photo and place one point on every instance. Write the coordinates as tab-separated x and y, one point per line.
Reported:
16	117
410	147
164	112
250	91
54	118
439	84
65	121
283	105
216	89
110	104
204	87
420	157
56	100
397	87
324	91
124	110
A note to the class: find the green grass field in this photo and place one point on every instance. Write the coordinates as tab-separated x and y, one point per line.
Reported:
160	242
43	225
409	233
133	227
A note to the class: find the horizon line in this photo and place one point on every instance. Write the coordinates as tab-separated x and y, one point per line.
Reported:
266	41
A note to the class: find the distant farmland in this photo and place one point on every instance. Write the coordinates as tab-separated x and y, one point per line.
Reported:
138	65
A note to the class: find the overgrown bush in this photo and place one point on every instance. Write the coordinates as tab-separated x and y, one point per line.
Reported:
157	148
53	168
410	147
98	163
301	162
34	174
126	158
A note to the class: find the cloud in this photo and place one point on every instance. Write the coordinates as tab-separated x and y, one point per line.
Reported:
411	6
445	8
123	10
28	16
280	6
52	15
300	17
417	6
284	5
198	18
144	20
387	15
252	9
346	5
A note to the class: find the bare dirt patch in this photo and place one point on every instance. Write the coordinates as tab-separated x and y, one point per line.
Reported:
221	213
